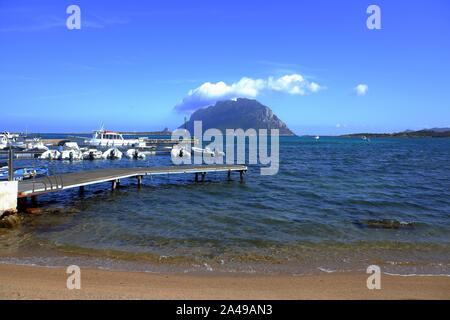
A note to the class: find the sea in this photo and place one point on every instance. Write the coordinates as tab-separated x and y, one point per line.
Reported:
338	204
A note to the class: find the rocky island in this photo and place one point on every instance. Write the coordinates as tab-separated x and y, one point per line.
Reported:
238	113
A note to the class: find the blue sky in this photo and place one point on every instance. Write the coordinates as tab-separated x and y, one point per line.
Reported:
133	63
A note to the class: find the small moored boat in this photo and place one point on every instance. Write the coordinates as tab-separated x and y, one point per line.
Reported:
71	155
23	173
50	155
180	152
112	154
207	152
134	154
92	154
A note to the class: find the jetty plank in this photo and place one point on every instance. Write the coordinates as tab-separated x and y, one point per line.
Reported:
65	181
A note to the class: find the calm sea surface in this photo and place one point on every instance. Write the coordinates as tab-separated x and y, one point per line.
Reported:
318	214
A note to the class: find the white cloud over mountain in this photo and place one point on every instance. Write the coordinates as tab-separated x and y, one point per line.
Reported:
209	93
361	89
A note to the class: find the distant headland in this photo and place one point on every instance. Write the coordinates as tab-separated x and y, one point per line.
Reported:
424	133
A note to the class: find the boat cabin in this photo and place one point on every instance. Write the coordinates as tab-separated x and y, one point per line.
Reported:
108	135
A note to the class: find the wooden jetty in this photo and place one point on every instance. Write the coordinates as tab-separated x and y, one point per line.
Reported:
81	179
24	153
170	142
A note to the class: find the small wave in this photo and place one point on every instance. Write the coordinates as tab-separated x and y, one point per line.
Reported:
384	223
326	270
416	275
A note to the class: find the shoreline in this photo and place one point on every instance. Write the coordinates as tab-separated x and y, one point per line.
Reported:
30	282
116	261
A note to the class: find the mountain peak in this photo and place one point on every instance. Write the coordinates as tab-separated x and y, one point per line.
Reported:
240	113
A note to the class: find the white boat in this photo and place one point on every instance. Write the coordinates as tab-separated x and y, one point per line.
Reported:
3	141
21	142
72	155
207	152
111	139
10	135
36	144
317	138
71	146
50	155
217	153
92	154
6	139
180	152
112	154
134	154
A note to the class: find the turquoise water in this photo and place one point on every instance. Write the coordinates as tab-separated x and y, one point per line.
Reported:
313	216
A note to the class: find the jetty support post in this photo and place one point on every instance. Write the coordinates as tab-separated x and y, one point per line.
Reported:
114	185
241	174
10	165
139	180
81	190
22	203
203	176
229	175
196	177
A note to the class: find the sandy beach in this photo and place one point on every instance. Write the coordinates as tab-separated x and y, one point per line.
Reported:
27	282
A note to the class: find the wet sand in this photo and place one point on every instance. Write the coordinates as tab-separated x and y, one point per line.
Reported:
27	282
